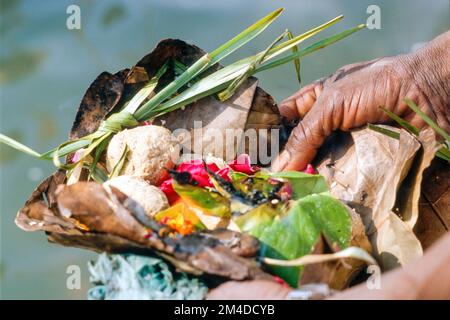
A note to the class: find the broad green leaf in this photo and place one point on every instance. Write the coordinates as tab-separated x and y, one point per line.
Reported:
303	184
293	233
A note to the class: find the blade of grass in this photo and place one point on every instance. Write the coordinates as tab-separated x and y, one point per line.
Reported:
178	67
145	91
384	131
443	153
401	122
244	37
67	148
97	174
116	170
288	45
218	80
236	83
98	153
296	61
427	119
314	47
205	62
89	148
18	146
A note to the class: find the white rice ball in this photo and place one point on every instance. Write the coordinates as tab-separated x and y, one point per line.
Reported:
150	150
149	197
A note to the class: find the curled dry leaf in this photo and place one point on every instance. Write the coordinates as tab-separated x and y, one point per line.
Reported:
86	215
408	196
366	170
100	98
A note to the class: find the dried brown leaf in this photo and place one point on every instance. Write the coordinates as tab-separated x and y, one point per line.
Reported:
366	170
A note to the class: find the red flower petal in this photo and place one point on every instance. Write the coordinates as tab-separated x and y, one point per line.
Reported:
167	188
243	164
224	173
198	172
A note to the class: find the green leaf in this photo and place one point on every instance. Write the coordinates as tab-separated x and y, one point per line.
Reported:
208	201
291	234
303	184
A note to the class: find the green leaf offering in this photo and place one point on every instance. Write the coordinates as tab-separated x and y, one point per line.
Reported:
209	202
292	233
303	184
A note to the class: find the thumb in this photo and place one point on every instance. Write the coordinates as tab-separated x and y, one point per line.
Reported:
309	135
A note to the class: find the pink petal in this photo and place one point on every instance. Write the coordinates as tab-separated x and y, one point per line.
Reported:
309	169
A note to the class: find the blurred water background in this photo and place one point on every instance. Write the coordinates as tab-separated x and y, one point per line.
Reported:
46	68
